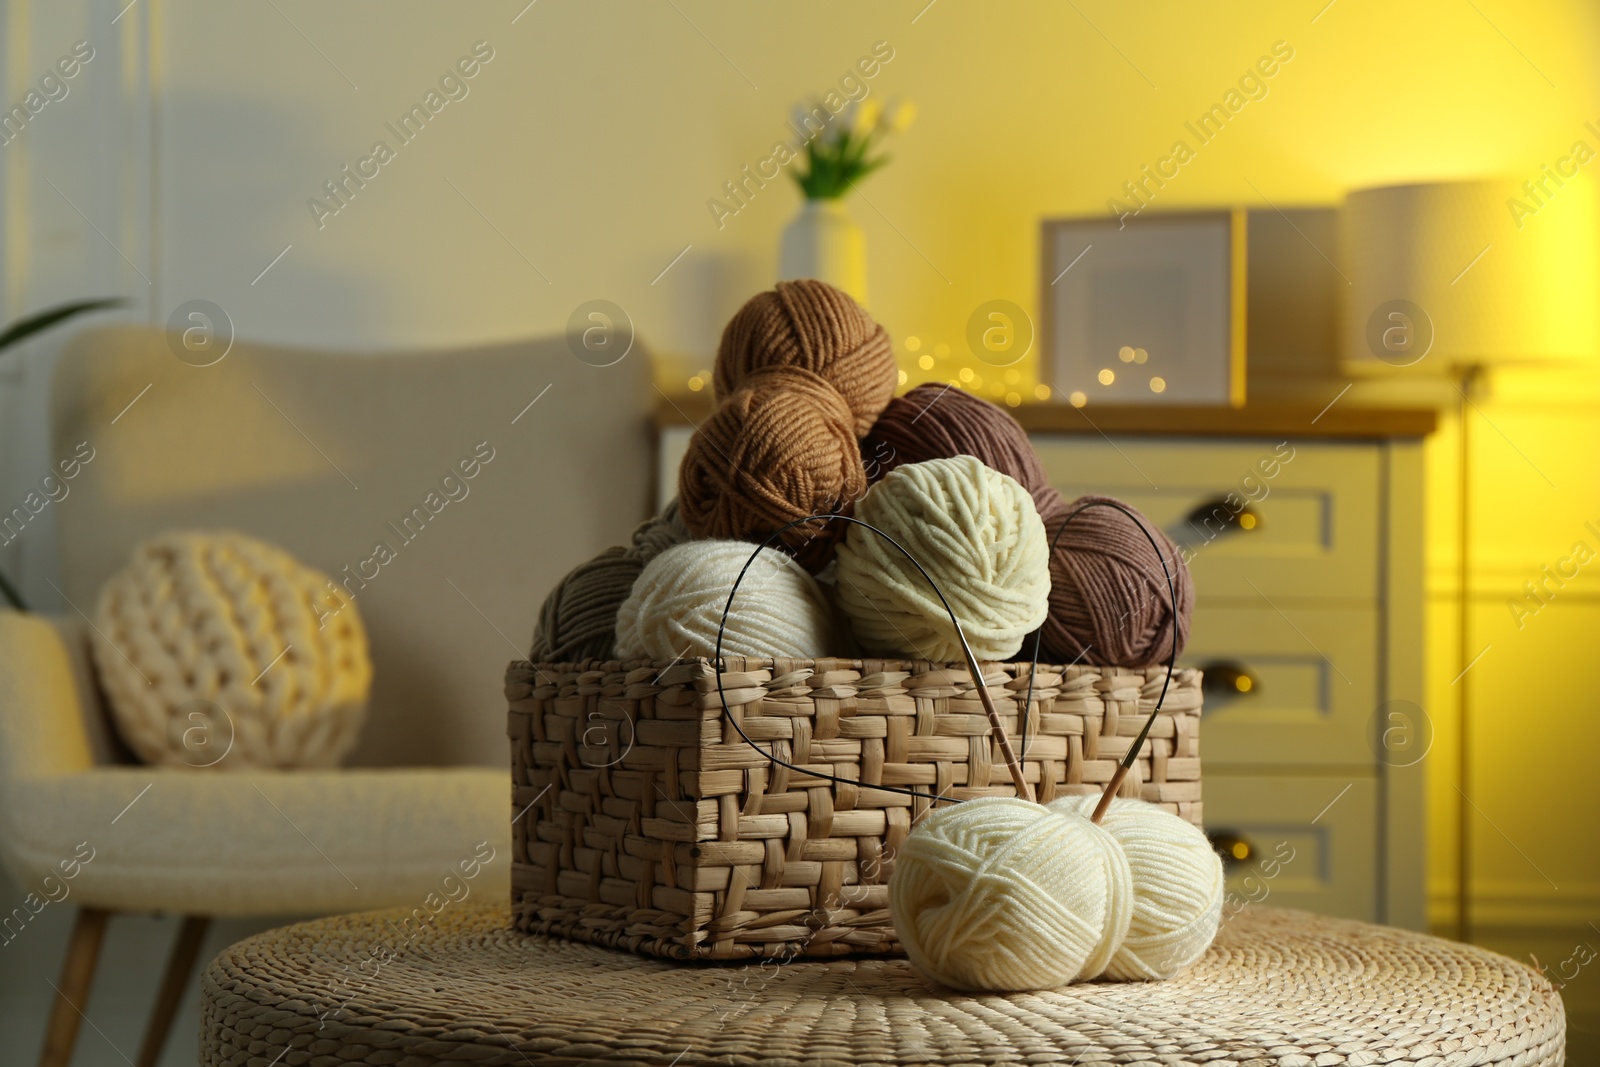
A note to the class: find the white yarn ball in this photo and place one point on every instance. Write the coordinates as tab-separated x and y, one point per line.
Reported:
1177	886
677	602
980	538
216	649
1000	894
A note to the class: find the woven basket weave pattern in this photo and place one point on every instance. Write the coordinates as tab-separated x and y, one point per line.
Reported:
644	821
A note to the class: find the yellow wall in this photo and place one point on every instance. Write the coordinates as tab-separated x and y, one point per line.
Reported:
598	133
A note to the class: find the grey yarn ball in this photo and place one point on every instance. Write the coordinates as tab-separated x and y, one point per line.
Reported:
578	620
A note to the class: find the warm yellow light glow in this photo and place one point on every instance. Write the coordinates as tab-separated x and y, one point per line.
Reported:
925	362
913	343
1490	273
1244	683
966	374
1041	392
1158	385
1240	850
1013	399
1107	376
1140	355
904	377
1247	521
696	384
941	350
1125	354
1012	377
1078	398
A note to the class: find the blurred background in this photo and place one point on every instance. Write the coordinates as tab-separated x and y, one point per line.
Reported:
588	159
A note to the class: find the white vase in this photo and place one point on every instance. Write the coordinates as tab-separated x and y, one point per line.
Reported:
824	242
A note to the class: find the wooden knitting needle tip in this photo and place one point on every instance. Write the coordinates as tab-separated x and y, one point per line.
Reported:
1020	780
1111	791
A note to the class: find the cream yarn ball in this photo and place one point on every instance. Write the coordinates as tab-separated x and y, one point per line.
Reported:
1177	886
1000	894
980	538
677	601
216	649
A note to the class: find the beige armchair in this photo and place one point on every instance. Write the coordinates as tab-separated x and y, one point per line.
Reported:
320	453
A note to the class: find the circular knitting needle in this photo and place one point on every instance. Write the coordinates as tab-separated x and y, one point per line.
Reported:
1020	780
1172	660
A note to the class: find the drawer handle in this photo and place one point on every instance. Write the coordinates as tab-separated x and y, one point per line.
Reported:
1225	678
1215	517
1233	846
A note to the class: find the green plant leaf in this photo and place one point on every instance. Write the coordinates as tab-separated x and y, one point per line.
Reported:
43	320
862	146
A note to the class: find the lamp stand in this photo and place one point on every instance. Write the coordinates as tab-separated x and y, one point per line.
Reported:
1471	375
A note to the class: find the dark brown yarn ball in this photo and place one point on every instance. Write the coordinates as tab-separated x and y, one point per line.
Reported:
1109	602
813	326
942	421
781	446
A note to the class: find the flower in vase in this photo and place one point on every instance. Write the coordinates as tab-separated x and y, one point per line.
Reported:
847	149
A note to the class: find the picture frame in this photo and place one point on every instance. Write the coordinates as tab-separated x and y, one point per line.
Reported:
1145	310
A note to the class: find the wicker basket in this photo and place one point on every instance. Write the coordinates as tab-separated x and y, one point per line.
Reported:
642	820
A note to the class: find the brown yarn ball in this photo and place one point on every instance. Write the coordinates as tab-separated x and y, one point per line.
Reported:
1109	602
578	620
943	421
813	326
781	446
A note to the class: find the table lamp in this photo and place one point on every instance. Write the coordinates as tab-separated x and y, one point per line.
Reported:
1458	278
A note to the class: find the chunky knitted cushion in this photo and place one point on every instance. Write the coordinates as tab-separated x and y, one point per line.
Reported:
218	650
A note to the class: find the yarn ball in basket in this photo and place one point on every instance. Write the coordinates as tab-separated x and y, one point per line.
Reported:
578	620
1177	886
676	606
938	421
1109	601
978	535
1000	894
813	326
216	649
780	447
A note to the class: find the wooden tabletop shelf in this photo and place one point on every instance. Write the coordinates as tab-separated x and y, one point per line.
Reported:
1262	419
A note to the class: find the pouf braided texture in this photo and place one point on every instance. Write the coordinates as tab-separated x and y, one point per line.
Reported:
1279	988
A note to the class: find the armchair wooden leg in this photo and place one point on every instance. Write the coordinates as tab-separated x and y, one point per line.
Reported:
180	965
72	992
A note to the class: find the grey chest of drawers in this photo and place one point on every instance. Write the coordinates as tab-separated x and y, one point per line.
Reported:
1304	535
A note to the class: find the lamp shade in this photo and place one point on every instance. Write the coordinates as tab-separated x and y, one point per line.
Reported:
1473	272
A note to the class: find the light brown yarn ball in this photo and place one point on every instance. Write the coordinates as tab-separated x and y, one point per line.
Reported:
780	447
578	620
1109	601
813	326
220	650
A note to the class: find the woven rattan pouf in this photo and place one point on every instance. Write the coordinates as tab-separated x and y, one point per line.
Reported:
1278	988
